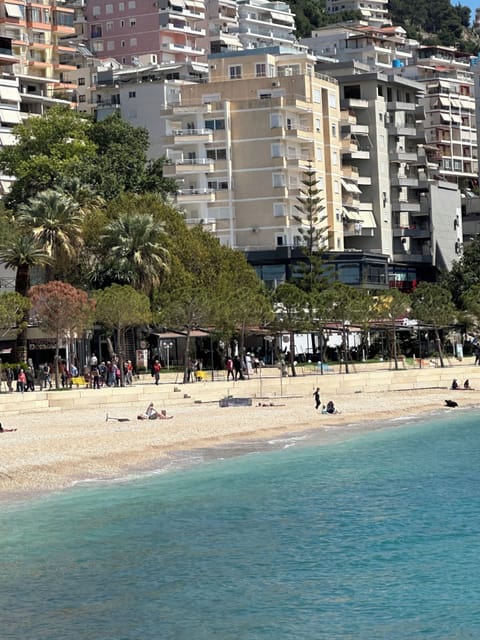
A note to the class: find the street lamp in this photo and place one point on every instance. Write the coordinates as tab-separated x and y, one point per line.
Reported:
167	346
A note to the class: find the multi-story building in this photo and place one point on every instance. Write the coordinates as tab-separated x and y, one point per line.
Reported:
239	146
395	202
450	123
375	12
265	23
36	30
168	31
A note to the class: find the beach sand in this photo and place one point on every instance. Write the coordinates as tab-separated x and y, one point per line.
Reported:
55	450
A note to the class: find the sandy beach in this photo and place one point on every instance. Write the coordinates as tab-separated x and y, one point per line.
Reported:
52	450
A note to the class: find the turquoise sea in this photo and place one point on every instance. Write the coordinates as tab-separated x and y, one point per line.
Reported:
373	536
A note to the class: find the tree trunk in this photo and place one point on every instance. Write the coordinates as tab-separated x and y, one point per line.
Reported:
345	347
292	353
186	358
22	285
120	356
57	358
439	347
395	355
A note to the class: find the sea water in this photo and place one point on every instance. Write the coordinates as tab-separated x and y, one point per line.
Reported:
376	536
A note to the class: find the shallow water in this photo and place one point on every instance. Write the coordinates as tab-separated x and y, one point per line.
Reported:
373	537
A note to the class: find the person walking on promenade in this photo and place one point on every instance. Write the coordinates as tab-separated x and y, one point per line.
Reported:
229	365
316	395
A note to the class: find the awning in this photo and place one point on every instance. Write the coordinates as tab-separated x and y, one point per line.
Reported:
13	11
352	216
445	117
466	104
9	94
455	103
228	39
7	139
177	3
10	116
445	102
195	4
456	119
350	186
368	219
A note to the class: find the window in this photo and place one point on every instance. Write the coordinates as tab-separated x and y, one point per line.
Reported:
97	46
281	240
218	185
278	209
319	154
215	125
334	130
133	42
276	120
109	8
132	22
81	82
277	150
109	26
335	158
332	100
217	154
318	125
81	98
132	94
235	72
336	186
121	6
317	95
352	92
110	45
132	4
122	43
278	179
95	11
457	165
260	70
96	31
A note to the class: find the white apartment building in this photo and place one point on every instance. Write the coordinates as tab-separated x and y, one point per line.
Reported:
238	147
375	12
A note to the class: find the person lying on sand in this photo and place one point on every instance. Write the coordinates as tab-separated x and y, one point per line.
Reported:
269	404
152	414
451	403
2	430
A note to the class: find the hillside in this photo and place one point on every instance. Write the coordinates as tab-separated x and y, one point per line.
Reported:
437	22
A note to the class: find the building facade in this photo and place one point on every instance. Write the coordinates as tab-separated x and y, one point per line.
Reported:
240	144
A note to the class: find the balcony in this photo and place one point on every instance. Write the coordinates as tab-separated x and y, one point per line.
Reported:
402	129
403	156
185	196
357	129
396	105
187	165
412	258
406	205
353	103
414	231
191	136
404	181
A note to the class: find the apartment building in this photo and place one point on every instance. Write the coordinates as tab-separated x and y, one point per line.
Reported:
36	31
239	145
395	202
450	121
375	12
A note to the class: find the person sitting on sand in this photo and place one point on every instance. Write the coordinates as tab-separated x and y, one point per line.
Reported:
454	384
466	385
330	407
152	414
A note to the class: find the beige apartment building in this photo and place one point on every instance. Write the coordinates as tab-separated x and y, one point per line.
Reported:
239	146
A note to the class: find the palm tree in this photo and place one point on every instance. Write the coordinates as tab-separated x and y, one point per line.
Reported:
133	252
22	253
55	220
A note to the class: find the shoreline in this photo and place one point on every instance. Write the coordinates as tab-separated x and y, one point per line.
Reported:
57	451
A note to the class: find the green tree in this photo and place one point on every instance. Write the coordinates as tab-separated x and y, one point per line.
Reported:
432	305
22	253
120	308
389	306
61	310
132	251
47	150
290	310
465	272
121	162
13	309
55	220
